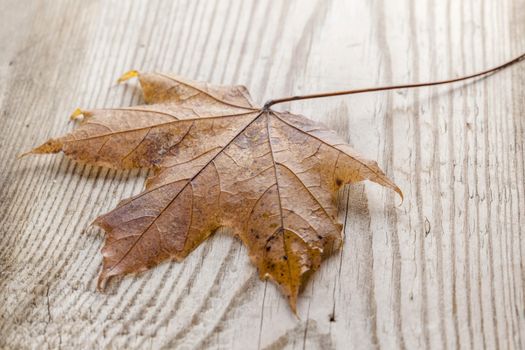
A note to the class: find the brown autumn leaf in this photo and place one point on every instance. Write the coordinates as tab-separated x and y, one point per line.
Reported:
219	161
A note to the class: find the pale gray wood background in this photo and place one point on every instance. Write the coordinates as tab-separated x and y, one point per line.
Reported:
444	270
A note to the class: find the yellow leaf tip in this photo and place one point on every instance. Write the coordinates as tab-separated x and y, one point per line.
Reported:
128	75
77	113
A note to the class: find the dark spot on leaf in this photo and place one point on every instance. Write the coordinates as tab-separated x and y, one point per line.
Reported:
338	182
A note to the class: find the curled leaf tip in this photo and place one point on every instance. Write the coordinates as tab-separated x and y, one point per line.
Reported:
400	193
76	114
128	75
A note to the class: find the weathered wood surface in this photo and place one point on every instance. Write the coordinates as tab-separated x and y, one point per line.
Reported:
443	270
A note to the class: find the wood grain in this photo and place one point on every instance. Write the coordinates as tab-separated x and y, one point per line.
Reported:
443	270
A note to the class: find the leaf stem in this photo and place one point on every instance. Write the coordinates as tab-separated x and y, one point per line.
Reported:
392	87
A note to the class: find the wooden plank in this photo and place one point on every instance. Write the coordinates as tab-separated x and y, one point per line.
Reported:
445	269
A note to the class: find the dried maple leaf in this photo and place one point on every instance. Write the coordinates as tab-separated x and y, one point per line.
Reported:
219	161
